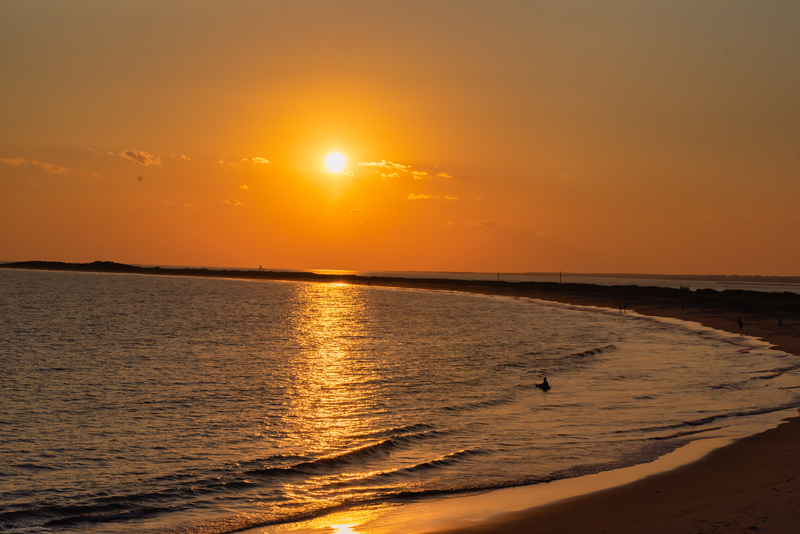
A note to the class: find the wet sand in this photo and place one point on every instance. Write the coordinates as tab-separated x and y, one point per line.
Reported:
752	485
749	486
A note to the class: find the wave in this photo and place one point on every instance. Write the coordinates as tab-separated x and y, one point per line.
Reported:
358	454
744	413
775	373
472	406
594	351
710	419
441	462
686	433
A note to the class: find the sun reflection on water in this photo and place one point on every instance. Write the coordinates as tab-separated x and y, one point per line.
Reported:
333	398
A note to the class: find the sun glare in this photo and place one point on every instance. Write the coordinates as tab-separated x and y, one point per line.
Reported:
335	162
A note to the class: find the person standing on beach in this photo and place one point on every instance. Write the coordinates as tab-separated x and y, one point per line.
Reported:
741	324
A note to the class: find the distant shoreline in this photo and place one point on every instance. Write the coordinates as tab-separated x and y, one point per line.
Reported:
109	266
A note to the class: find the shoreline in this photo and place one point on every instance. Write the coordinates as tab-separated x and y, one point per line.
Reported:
749	485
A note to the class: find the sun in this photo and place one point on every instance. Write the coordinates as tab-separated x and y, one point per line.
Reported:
335	162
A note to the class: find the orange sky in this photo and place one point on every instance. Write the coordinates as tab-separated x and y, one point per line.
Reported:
617	136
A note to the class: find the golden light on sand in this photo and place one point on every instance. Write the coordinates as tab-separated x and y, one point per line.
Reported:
335	162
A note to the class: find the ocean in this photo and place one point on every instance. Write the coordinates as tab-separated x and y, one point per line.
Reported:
204	405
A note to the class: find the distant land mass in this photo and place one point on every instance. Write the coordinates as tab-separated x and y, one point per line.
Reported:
110	266
733	300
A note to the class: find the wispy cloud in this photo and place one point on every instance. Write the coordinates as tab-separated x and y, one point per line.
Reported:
419	175
233	202
243	187
142	158
393	175
50	167
356	211
259	160
179	203
412	196
348	173
186	158
386	165
485	225
443	175
16	162
534	233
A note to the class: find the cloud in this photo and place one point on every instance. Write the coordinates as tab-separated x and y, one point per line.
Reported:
348	173
356	211
303	168
412	196
243	187
259	160
50	167
535	233
143	158
486	225
179	203
233	202
386	165
450	198
16	162
419	175
443	175
393	175
186	158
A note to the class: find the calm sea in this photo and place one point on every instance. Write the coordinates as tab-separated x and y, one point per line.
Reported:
167	404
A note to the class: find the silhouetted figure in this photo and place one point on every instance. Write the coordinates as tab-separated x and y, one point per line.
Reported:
741	324
544	386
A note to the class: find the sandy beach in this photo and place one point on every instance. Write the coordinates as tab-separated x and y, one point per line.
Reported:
750	485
